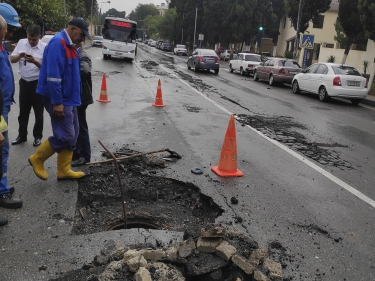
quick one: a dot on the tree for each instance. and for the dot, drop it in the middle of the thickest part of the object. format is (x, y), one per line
(310, 12)
(141, 12)
(348, 25)
(152, 26)
(166, 25)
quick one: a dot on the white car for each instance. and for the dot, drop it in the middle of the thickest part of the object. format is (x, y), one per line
(180, 49)
(245, 63)
(153, 44)
(97, 40)
(331, 80)
(225, 55)
(47, 38)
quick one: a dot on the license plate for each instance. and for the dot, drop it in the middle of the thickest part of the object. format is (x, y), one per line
(353, 83)
(210, 60)
(292, 72)
(118, 53)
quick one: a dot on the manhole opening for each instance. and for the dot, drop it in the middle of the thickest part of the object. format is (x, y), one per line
(151, 201)
(133, 224)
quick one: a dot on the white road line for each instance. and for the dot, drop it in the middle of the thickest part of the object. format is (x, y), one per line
(180, 66)
(312, 165)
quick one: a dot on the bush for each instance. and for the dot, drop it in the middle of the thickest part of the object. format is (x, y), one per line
(288, 55)
(331, 58)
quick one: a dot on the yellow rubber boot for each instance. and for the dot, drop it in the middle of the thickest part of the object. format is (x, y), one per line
(64, 159)
(37, 160)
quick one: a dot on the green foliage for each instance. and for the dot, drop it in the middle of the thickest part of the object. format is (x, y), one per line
(310, 11)
(166, 25)
(288, 55)
(141, 12)
(331, 58)
(47, 13)
(366, 65)
(151, 24)
(366, 10)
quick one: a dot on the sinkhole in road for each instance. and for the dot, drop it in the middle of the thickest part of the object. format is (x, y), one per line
(151, 201)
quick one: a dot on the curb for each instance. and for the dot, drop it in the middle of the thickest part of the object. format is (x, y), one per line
(370, 102)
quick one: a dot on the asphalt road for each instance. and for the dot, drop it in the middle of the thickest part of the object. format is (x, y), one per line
(321, 215)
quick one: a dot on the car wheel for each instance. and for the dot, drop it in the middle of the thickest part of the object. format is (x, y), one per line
(242, 72)
(230, 68)
(295, 87)
(355, 102)
(271, 82)
(188, 65)
(323, 95)
(255, 76)
(216, 71)
(105, 57)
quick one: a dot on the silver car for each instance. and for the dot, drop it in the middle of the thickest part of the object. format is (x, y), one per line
(97, 41)
(204, 59)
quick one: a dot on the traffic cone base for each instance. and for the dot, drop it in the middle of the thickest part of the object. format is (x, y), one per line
(221, 173)
(159, 98)
(228, 158)
(103, 93)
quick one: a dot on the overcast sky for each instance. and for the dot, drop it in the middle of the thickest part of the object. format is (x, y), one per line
(126, 5)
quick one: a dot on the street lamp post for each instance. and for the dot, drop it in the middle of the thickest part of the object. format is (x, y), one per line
(109, 2)
(296, 41)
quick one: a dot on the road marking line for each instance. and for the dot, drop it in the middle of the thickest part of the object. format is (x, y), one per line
(312, 165)
(180, 66)
(372, 108)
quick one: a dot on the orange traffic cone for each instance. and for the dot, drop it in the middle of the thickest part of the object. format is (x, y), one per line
(228, 157)
(103, 93)
(159, 98)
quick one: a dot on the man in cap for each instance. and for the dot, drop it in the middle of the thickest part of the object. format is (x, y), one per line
(8, 21)
(60, 86)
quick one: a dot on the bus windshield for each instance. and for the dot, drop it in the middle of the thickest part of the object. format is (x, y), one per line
(120, 31)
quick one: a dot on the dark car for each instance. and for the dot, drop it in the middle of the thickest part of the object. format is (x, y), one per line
(166, 47)
(277, 70)
(219, 50)
(204, 59)
(158, 44)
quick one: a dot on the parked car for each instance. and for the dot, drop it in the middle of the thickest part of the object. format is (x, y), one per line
(204, 59)
(158, 44)
(46, 38)
(219, 50)
(277, 70)
(245, 63)
(331, 80)
(165, 47)
(153, 43)
(180, 49)
(225, 55)
(97, 41)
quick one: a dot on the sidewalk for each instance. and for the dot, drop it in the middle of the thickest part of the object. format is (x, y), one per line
(369, 100)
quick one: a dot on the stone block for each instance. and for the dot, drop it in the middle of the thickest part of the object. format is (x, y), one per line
(275, 269)
(135, 263)
(142, 275)
(260, 276)
(186, 249)
(132, 254)
(172, 253)
(225, 250)
(258, 255)
(215, 232)
(111, 271)
(244, 264)
(208, 245)
(156, 255)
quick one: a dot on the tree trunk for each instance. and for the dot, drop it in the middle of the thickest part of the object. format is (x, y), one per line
(369, 84)
(347, 49)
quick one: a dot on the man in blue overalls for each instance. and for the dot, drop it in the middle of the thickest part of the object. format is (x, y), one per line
(60, 86)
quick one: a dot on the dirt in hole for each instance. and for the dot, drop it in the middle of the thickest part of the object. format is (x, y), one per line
(148, 197)
(283, 129)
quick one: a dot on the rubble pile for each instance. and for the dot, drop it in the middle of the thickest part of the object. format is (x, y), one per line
(217, 254)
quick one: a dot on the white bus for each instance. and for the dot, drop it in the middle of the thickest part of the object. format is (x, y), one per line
(119, 38)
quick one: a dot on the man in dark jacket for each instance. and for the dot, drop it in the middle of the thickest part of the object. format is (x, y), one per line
(60, 86)
(82, 154)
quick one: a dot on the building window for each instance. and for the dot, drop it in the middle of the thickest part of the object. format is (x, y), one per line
(319, 23)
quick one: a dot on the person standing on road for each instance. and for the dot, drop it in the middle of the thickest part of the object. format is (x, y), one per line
(29, 53)
(8, 21)
(3, 221)
(82, 154)
(60, 86)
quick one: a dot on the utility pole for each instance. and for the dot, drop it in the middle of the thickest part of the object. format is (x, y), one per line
(92, 24)
(195, 28)
(298, 28)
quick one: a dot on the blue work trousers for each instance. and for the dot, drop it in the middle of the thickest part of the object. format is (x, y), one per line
(65, 129)
(4, 187)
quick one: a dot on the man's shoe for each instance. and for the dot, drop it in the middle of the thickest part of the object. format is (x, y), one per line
(3, 221)
(6, 201)
(79, 162)
(37, 142)
(11, 189)
(19, 140)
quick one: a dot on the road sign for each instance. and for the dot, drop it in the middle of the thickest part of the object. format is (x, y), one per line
(200, 37)
(307, 41)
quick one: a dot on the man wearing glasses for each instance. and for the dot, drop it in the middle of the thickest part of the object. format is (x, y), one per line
(59, 85)
(29, 53)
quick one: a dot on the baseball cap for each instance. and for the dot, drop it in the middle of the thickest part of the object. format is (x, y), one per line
(79, 22)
